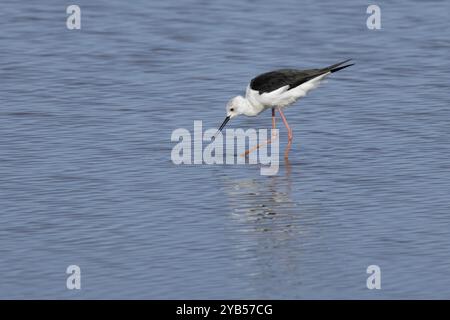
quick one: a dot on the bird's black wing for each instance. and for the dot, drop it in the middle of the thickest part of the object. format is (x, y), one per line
(273, 80)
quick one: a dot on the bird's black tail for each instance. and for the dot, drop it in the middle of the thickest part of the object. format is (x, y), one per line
(338, 66)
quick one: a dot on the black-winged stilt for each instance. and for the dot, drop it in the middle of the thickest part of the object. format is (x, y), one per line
(276, 90)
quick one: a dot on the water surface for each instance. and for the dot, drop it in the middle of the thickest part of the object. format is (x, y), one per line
(86, 176)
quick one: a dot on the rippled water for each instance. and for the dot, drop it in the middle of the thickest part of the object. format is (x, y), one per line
(86, 176)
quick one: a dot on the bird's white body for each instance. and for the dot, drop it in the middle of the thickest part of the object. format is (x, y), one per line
(254, 103)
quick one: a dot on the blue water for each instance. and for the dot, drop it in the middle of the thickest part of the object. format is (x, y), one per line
(86, 176)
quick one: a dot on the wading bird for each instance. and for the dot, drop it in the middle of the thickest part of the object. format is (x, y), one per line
(277, 90)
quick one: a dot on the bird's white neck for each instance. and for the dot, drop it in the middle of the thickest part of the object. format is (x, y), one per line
(249, 109)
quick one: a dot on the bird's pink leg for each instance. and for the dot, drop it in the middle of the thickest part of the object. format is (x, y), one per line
(273, 118)
(247, 152)
(286, 152)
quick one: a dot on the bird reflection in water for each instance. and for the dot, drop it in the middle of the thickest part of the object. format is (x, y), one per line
(264, 201)
(267, 230)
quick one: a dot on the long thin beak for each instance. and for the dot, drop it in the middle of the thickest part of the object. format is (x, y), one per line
(222, 125)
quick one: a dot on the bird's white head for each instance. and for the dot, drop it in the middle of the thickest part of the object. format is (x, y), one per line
(235, 107)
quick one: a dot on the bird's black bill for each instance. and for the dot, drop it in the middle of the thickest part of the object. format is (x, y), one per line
(223, 124)
(221, 127)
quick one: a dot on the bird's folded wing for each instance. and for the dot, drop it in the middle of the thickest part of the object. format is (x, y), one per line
(271, 81)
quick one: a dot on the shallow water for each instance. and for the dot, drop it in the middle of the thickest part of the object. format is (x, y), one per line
(86, 176)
